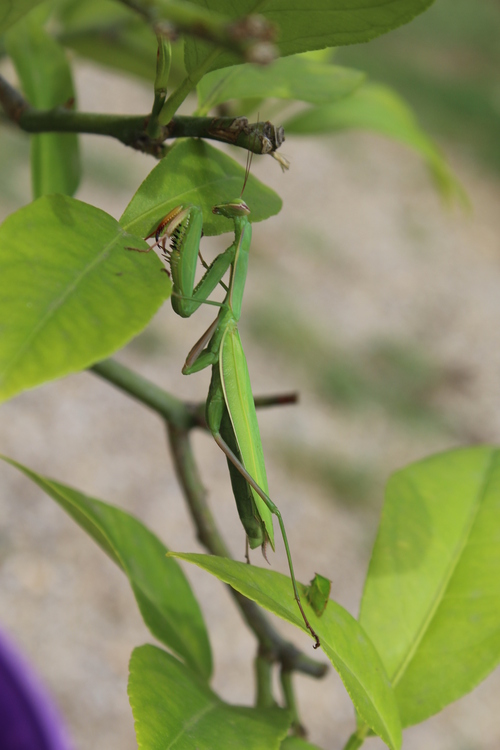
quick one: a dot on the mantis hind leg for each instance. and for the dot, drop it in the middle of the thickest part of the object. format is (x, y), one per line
(231, 456)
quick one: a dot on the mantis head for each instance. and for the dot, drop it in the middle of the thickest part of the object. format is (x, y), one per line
(232, 210)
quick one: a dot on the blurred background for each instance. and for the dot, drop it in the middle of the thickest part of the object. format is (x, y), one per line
(368, 295)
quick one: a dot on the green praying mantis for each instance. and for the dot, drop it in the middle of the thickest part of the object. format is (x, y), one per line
(230, 407)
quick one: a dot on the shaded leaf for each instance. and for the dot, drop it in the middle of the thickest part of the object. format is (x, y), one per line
(12, 10)
(46, 80)
(110, 34)
(71, 292)
(295, 77)
(131, 49)
(342, 639)
(309, 26)
(431, 602)
(378, 108)
(172, 707)
(164, 596)
(195, 172)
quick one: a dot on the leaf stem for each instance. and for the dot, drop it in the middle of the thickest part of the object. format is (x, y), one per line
(169, 407)
(357, 738)
(263, 681)
(290, 703)
(132, 130)
(176, 98)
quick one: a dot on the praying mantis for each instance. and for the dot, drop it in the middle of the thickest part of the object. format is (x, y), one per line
(230, 408)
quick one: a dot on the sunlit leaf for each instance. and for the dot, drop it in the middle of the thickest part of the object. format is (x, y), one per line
(309, 26)
(431, 602)
(72, 293)
(342, 639)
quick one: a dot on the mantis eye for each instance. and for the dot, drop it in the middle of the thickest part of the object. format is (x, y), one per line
(233, 209)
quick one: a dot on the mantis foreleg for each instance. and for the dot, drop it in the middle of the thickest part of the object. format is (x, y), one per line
(183, 227)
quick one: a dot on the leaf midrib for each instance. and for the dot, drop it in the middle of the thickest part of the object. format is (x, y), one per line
(193, 721)
(454, 560)
(55, 306)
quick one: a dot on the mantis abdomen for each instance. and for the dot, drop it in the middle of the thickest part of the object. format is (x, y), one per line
(241, 407)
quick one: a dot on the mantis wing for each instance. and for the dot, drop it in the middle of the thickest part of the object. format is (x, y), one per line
(248, 513)
(241, 407)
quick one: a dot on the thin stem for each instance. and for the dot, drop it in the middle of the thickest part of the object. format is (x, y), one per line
(276, 399)
(263, 681)
(357, 738)
(290, 703)
(163, 63)
(194, 491)
(176, 98)
(257, 137)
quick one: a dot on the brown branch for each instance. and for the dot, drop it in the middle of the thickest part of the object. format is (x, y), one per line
(131, 130)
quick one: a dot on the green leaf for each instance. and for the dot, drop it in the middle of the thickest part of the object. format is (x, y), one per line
(295, 77)
(309, 26)
(163, 594)
(431, 602)
(71, 291)
(12, 10)
(342, 639)
(195, 172)
(378, 108)
(318, 593)
(172, 707)
(45, 76)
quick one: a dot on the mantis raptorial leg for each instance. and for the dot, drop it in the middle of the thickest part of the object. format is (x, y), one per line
(230, 408)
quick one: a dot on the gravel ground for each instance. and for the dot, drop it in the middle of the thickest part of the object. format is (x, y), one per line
(363, 249)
